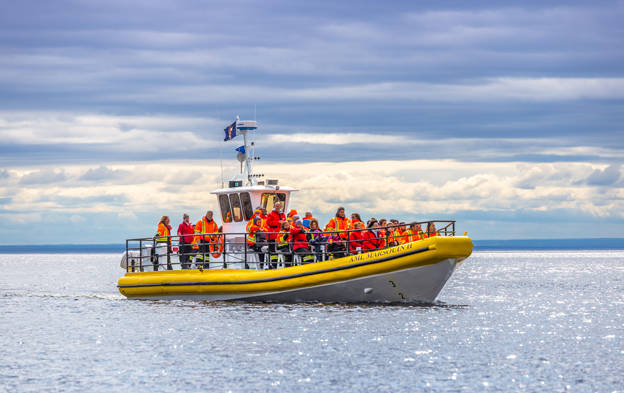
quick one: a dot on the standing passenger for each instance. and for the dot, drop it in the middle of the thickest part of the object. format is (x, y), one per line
(163, 242)
(339, 223)
(274, 224)
(201, 242)
(307, 220)
(185, 231)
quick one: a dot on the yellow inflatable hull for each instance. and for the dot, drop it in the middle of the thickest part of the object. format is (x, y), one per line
(412, 272)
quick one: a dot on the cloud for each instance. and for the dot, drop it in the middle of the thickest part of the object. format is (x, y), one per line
(43, 176)
(4, 174)
(103, 173)
(605, 177)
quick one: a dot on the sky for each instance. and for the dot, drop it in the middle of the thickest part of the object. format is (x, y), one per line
(506, 117)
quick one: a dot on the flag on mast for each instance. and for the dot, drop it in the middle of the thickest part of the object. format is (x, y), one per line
(230, 131)
(241, 149)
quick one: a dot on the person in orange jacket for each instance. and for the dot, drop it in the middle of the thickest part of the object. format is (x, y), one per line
(339, 223)
(307, 220)
(415, 232)
(402, 234)
(201, 242)
(431, 230)
(257, 213)
(163, 242)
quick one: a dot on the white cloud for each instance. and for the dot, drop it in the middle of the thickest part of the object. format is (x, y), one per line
(149, 133)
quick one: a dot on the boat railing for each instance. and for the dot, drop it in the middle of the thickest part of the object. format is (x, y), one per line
(258, 251)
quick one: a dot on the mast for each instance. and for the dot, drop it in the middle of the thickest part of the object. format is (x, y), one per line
(244, 126)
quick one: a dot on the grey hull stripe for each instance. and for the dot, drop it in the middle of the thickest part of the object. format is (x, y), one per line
(270, 279)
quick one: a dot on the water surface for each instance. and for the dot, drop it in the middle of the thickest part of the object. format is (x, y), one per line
(506, 321)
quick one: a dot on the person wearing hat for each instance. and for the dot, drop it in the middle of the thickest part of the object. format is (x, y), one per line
(185, 247)
(300, 242)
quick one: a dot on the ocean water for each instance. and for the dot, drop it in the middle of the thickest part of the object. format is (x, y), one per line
(506, 321)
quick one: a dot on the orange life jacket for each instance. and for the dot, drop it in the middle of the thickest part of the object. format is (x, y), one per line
(338, 224)
(203, 226)
(251, 238)
(163, 233)
(402, 237)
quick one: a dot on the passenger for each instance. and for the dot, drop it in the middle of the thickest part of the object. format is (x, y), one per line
(316, 239)
(431, 230)
(185, 244)
(373, 237)
(300, 243)
(392, 235)
(282, 243)
(356, 238)
(402, 234)
(415, 232)
(163, 242)
(355, 217)
(335, 246)
(382, 226)
(255, 238)
(292, 213)
(201, 242)
(307, 220)
(256, 213)
(273, 225)
(339, 223)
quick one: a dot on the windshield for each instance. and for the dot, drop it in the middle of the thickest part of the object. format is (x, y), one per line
(269, 199)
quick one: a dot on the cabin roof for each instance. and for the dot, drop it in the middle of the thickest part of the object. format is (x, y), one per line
(265, 188)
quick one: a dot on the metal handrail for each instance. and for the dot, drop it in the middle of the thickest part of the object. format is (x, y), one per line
(219, 238)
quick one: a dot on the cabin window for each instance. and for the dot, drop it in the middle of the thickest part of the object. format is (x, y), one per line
(246, 202)
(269, 200)
(236, 207)
(226, 213)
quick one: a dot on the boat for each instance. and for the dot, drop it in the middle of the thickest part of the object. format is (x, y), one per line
(413, 271)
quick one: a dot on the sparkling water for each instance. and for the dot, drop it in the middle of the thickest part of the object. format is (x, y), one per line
(506, 321)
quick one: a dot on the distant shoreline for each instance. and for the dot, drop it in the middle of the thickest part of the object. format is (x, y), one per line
(480, 245)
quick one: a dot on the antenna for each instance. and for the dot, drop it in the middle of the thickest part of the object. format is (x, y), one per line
(220, 155)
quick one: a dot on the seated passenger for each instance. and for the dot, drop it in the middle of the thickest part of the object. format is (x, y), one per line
(382, 225)
(373, 237)
(402, 234)
(415, 232)
(355, 217)
(300, 243)
(282, 243)
(392, 234)
(316, 239)
(256, 238)
(355, 238)
(335, 246)
(431, 230)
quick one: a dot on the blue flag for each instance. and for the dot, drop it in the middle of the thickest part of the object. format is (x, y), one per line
(241, 149)
(230, 131)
